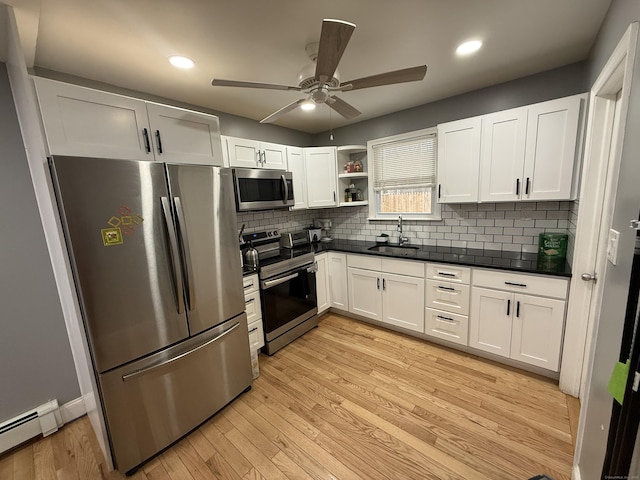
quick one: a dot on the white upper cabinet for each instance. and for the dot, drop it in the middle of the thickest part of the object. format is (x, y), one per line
(184, 136)
(295, 164)
(253, 154)
(80, 121)
(459, 160)
(84, 122)
(530, 153)
(320, 168)
(502, 155)
(550, 156)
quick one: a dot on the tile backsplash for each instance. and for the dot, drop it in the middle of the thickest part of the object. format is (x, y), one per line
(492, 226)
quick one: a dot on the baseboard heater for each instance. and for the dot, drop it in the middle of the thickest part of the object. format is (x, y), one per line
(45, 420)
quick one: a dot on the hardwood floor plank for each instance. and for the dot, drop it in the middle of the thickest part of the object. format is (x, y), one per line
(23, 466)
(573, 408)
(351, 401)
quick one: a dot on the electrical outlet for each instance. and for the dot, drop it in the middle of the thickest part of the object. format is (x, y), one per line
(612, 246)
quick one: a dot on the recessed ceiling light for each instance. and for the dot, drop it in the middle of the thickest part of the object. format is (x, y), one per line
(181, 62)
(308, 105)
(467, 48)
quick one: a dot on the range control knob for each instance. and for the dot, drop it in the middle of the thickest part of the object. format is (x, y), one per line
(269, 234)
(275, 233)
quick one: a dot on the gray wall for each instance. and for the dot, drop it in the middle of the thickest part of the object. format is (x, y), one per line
(35, 356)
(560, 82)
(608, 336)
(232, 125)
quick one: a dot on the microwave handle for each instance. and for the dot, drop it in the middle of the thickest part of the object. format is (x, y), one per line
(286, 189)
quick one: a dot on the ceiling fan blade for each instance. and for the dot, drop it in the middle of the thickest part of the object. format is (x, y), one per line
(286, 109)
(412, 74)
(342, 107)
(334, 38)
(219, 82)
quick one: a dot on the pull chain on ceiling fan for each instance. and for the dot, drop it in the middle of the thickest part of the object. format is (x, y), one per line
(320, 85)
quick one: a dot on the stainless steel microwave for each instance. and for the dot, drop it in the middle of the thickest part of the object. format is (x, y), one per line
(262, 189)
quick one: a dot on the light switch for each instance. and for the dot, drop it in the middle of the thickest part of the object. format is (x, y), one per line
(612, 246)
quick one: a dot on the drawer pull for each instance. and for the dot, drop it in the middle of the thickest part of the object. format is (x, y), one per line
(447, 274)
(515, 284)
(255, 329)
(249, 301)
(446, 319)
(449, 289)
(248, 286)
(508, 308)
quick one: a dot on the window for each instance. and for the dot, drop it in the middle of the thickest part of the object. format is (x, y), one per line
(404, 176)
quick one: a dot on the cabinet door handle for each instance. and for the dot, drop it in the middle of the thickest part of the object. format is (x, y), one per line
(147, 143)
(449, 289)
(518, 309)
(378, 283)
(258, 158)
(264, 158)
(526, 189)
(159, 140)
(508, 307)
(334, 196)
(515, 284)
(439, 190)
(447, 274)
(384, 283)
(517, 186)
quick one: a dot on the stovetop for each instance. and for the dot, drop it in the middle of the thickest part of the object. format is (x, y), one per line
(284, 260)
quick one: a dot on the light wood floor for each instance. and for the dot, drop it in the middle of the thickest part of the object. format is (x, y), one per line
(351, 401)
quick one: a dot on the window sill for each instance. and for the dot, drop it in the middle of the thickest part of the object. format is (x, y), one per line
(435, 218)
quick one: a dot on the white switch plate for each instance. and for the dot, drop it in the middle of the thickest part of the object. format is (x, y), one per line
(612, 246)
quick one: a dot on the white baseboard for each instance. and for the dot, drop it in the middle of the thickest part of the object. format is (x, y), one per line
(575, 474)
(73, 409)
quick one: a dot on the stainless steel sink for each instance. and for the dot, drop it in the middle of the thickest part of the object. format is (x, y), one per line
(402, 251)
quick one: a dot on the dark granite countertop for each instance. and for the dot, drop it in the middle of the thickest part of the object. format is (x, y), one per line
(503, 260)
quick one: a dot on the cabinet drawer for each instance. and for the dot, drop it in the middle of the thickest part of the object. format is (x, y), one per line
(519, 283)
(449, 273)
(367, 262)
(447, 326)
(448, 296)
(252, 306)
(256, 335)
(250, 283)
(410, 268)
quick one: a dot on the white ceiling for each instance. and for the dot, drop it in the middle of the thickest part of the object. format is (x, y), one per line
(126, 43)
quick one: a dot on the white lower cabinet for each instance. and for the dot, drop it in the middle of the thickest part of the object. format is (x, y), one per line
(253, 309)
(338, 286)
(517, 321)
(386, 290)
(447, 302)
(322, 282)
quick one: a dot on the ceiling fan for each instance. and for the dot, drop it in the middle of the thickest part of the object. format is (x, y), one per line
(320, 78)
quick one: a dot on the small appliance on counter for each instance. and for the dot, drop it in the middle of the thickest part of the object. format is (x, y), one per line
(315, 234)
(293, 240)
(325, 225)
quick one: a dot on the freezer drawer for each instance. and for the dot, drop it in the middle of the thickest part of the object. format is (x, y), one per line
(153, 402)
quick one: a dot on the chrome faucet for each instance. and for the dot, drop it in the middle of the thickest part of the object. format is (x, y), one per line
(401, 238)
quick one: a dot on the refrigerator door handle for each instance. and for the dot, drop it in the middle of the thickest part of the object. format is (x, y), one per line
(128, 376)
(182, 230)
(173, 242)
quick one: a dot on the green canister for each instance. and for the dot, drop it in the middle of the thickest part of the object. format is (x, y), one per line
(552, 251)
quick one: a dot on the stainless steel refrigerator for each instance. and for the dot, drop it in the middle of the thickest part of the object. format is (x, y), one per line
(154, 253)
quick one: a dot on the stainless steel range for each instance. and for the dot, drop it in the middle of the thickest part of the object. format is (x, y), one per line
(287, 286)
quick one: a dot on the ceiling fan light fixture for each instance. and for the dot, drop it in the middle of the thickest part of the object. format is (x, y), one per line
(308, 105)
(467, 48)
(181, 62)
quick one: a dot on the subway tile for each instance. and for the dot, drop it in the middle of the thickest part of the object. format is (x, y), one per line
(468, 237)
(486, 222)
(513, 231)
(504, 223)
(546, 224)
(486, 207)
(524, 239)
(493, 246)
(477, 214)
(484, 238)
(494, 230)
(530, 248)
(459, 229)
(503, 238)
(524, 223)
(459, 244)
(511, 247)
(475, 245)
(558, 215)
(451, 236)
(548, 206)
(505, 206)
(498, 214)
(443, 243)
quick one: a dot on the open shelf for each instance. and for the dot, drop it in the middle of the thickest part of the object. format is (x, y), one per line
(354, 175)
(354, 204)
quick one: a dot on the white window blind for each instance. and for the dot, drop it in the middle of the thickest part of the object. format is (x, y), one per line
(406, 163)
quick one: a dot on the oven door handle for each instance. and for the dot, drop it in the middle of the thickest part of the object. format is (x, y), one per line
(272, 283)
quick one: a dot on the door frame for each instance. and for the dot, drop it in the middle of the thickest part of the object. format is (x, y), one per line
(600, 170)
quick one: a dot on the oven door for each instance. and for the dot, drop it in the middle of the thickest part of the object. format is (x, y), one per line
(261, 189)
(288, 300)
